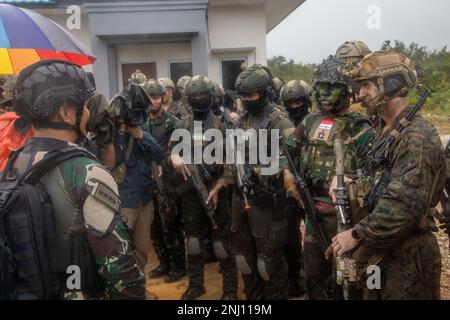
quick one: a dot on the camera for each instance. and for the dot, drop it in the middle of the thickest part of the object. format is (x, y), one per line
(132, 104)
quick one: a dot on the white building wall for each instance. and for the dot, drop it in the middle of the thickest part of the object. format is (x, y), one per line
(160, 53)
(232, 27)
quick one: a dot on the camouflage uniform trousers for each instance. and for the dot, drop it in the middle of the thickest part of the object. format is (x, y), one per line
(318, 270)
(259, 239)
(293, 250)
(412, 272)
(196, 227)
(167, 235)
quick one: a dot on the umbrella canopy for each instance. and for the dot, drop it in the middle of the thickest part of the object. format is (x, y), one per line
(27, 37)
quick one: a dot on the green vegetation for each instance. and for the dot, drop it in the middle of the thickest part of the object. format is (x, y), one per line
(436, 66)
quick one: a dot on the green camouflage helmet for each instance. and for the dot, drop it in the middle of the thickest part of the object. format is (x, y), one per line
(295, 89)
(330, 71)
(278, 83)
(197, 85)
(254, 79)
(154, 88)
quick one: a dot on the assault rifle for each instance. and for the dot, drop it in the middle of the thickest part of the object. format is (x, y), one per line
(202, 192)
(305, 195)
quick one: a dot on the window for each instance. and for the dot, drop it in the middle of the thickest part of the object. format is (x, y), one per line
(147, 68)
(230, 69)
(179, 69)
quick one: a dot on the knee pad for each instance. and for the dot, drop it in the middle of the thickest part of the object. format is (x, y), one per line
(219, 250)
(262, 269)
(193, 246)
(242, 265)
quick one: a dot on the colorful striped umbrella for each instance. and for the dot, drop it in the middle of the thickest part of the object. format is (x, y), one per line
(27, 37)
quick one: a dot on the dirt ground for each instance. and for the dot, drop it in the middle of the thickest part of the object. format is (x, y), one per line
(213, 279)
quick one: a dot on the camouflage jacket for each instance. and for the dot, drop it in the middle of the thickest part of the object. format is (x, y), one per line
(415, 162)
(314, 139)
(78, 208)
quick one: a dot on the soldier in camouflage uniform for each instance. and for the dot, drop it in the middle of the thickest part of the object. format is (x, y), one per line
(100, 128)
(352, 52)
(199, 91)
(182, 106)
(59, 120)
(295, 96)
(166, 231)
(408, 181)
(278, 83)
(259, 234)
(315, 144)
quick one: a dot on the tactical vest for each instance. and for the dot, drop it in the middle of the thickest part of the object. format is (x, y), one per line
(263, 185)
(319, 160)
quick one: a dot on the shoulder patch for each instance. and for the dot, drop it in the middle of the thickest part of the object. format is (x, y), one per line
(103, 200)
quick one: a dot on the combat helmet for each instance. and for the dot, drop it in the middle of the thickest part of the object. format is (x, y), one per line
(181, 83)
(45, 86)
(255, 79)
(352, 49)
(154, 88)
(138, 78)
(329, 72)
(392, 71)
(199, 90)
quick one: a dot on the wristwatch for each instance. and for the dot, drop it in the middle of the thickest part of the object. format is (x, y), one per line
(356, 236)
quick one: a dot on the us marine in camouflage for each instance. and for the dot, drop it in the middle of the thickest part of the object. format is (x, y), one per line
(259, 228)
(315, 138)
(52, 94)
(166, 230)
(409, 178)
(199, 90)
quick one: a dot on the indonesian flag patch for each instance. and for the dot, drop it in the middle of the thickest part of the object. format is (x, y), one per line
(323, 130)
(326, 124)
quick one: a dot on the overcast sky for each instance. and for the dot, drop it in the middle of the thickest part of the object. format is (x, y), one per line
(317, 27)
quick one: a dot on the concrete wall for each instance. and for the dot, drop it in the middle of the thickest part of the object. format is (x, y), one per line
(234, 27)
(160, 53)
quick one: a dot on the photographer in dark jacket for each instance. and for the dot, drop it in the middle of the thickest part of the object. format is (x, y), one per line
(135, 150)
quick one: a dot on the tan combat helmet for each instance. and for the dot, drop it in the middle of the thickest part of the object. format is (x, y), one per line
(138, 78)
(181, 83)
(392, 71)
(352, 49)
(168, 84)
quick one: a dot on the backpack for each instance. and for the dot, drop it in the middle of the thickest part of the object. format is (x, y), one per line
(33, 263)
